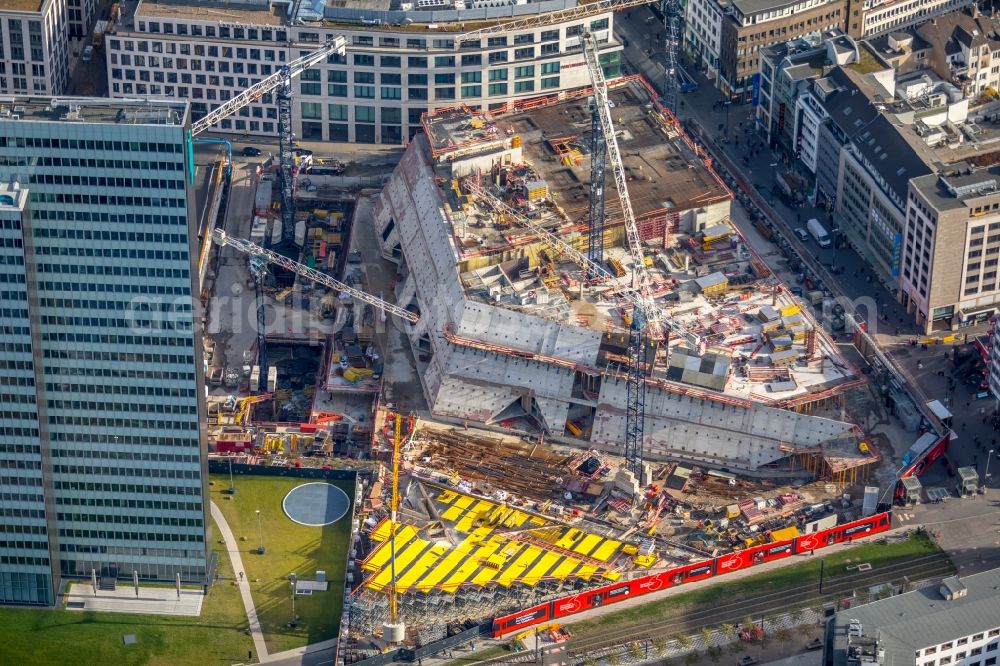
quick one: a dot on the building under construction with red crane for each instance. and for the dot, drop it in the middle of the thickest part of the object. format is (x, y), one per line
(514, 333)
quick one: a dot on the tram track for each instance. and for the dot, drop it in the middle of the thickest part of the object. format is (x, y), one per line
(922, 568)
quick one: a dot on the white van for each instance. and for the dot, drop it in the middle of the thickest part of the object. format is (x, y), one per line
(88, 53)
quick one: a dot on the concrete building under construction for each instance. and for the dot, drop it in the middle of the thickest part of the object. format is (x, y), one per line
(513, 334)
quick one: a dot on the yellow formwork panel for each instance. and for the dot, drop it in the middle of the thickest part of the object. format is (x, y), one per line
(382, 555)
(447, 497)
(403, 559)
(443, 567)
(587, 571)
(381, 533)
(516, 519)
(611, 575)
(538, 571)
(464, 501)
(468, 520)
(461, 575)
(535, 520)
(588, 544)
(606, 550)
(480, 534)
(567, 539)
(452, 513)
(565, 568)
(515, 570)
(418, 570)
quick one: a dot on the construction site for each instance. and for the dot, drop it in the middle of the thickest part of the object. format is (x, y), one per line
(614, 386)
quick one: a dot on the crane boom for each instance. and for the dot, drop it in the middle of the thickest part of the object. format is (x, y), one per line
(614, 156)
(222, 238)
(581, 10)
(270, 84)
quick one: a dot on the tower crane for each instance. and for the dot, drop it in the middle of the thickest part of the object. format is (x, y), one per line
(393, 625)
(282, 82)
(268, 256)
(671, 66)
(646, 316)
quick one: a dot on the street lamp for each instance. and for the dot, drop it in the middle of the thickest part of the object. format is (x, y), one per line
(293, 622)
(232, 486)
(260, 530)
(986, 477)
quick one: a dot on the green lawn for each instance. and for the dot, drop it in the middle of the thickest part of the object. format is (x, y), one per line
(289, 548)
(878, 554)
(44, 636)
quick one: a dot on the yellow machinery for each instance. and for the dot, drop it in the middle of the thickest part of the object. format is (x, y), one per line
(243, 410)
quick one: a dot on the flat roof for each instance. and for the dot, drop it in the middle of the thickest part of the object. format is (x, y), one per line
(903, 624)
(750, 7)
(265, 15)
(94, 110)
(22, 5)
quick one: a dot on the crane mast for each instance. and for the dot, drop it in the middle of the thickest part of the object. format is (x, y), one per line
(222, 238)
(671, 66)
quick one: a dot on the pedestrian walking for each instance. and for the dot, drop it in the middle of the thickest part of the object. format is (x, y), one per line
(241, 576)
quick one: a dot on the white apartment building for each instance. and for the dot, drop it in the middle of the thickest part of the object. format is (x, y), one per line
(80, 17)
(33, 47)
(703, 34)
(398, 65)
(881, 16)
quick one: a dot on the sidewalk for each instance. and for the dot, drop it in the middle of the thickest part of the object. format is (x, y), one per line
(232, 545)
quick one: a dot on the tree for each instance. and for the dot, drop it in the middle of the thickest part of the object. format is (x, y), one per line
(613, 659)
(683, 640)
(783, 635)
(589, 661)
(728, 630)
(748, 622)
(660, 644)
(635, 650)
(706, 635)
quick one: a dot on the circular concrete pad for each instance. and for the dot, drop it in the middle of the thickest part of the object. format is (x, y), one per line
(316, 504)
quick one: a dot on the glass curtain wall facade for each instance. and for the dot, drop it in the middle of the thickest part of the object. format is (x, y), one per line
(108, 244)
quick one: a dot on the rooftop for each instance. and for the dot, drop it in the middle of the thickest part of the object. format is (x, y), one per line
(903, 624)
(12, 195)
(751, 7)
(94, 110)
(22, 5)
(869, 61)
(264, 14)
(955, 189)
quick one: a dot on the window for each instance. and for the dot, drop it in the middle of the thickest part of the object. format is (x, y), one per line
(524, 54)
(364, 114)
(944, 660)
(364, 60)
(498, 56)
(550, 82)
(390, 61)
(497, 89)
(963, 641)
(393, 79)
(364, 77)
(416, 93)
(979, 637)
(549, 35)
(550, 49)
(472, 77)
(524, 86)
(364, 92)
(990, 662)
(599, 24)
(417, 61)
(336, 77)
(417, 79)
(472, 59)
(494, 42)
(312, 110)
(447, 92)
(444, 61)
(337, 111)
(472, 91)
(930, 650)
(391, 92)
(550, 68)
(498, 75)
(392, 115)
(311, 88)
(524, 72)
(336, 89)
(444, 78)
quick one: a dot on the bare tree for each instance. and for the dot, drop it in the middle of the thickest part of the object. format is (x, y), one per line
(783, 635)
(683, 640)
(728, 630)
(706, 634)
(660, 644)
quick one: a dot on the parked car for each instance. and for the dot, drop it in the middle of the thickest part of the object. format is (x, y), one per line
(802, 234)
(747, 661)
(88, 53)
(250, 151)
(814, 644)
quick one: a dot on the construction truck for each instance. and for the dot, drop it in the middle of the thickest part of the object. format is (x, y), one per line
(97, 38)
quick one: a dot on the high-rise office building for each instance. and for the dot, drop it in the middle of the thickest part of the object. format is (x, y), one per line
(101, 453)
